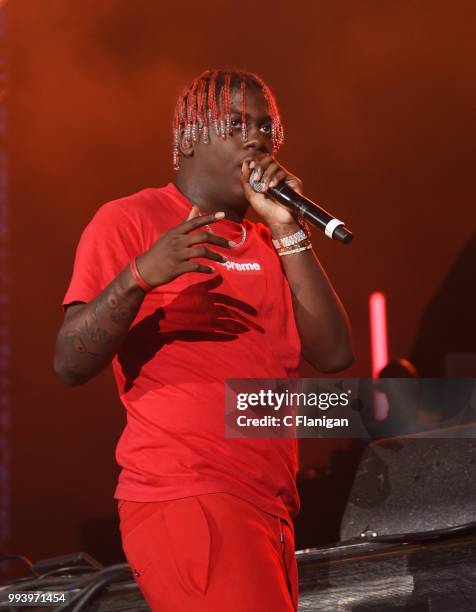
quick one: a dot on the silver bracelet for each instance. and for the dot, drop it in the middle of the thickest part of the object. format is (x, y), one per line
(287, 241)
(298, 250)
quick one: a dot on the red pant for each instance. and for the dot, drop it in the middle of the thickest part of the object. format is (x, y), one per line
(210, 553)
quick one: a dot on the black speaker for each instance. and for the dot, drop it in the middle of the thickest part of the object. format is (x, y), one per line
(414, 484)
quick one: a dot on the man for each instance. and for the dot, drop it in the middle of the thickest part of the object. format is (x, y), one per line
(180, 292)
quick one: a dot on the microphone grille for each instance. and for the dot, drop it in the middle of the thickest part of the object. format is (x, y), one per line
(256, 185)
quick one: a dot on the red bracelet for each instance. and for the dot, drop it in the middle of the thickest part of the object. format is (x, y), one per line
(137, 277)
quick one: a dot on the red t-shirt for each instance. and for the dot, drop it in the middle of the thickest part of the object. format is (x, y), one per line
(188, 336)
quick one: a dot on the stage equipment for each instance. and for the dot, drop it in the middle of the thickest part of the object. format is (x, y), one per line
(439, 576)
(414, 484)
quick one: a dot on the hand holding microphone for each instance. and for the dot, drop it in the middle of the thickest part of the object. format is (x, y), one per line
(304, 207)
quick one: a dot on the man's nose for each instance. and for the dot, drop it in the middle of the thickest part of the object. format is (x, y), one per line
(255, 139)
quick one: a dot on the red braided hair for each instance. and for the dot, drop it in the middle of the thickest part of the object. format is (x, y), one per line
(206, 104)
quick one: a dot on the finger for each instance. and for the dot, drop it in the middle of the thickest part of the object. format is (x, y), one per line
(279, 176)
(245, 171)
(192, 224)
(294, 183)
(196, 266)
(269, 173)
(245, 177)
(260, 166)
(198, 237)
(203, 251)
(194, 212)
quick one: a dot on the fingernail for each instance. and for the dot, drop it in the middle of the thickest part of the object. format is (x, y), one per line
(256, 175)
(252, 165)
(219, 215)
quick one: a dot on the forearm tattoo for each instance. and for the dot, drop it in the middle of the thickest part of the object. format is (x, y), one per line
(95, 334)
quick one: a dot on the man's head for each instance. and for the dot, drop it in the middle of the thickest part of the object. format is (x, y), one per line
(221, 119)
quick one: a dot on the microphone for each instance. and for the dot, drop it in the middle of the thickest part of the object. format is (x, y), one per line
(306, 209)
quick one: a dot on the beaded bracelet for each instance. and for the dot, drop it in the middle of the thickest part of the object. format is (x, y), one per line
(137, 276)
(302, 243)
(284, 252)
(290, 240)
(297, 245)
(297, 242)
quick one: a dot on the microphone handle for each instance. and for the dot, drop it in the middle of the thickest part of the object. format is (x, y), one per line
(306, 209)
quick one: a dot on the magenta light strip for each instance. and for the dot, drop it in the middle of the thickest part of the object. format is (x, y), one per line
(378, 332)
(379, 348)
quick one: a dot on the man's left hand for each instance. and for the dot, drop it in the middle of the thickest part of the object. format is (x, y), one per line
(269, 171)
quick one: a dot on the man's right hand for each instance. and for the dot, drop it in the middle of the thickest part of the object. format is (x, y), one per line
(93, 332)
(170, 255)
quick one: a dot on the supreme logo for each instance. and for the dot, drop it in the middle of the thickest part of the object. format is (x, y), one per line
(252, 266)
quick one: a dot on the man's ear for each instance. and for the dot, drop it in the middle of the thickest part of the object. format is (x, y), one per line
(186, 145)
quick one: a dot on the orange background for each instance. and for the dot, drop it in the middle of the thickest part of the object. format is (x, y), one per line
(378, 101)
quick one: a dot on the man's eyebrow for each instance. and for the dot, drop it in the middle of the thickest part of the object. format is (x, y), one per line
(248, 116)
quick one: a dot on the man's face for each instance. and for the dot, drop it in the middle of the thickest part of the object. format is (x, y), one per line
(219, 163)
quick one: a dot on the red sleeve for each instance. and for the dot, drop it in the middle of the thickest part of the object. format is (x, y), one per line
(107, 245)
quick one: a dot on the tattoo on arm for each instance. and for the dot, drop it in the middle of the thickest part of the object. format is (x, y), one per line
(93, 334)
(94, 337)
(120, 309)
